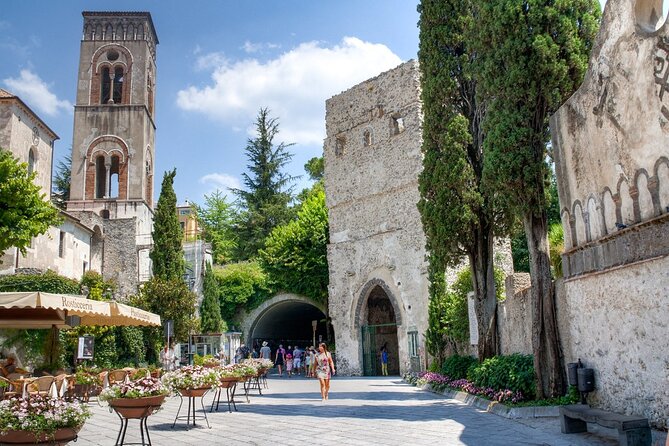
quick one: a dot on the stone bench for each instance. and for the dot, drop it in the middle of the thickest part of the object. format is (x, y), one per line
(632, 430)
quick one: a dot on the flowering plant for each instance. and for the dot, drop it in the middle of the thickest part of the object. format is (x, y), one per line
(41, 415)
(191, 377)
(259, 363)
(88, 377)
(236, 371)
(134, 389)
(441, 382)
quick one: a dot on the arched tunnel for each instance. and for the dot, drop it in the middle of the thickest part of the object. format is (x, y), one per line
(290, 322)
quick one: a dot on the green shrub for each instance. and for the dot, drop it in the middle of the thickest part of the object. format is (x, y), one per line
(433, 367)
(456, 366)
(200, 360)
(514, 372)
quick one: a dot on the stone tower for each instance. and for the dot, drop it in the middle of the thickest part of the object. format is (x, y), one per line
(113, 140)
(378, 292)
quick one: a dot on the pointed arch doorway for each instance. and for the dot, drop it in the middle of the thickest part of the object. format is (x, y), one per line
(379, 328)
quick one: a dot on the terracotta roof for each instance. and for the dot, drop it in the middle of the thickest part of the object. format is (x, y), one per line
(6, 94)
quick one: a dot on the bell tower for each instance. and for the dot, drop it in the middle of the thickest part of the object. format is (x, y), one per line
(113, 145)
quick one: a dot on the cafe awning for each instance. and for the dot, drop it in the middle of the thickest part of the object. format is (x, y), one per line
(121, 314)
(45, 310)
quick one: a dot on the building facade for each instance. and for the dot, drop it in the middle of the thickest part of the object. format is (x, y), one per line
(113, 147)
(378, 292)
(612, 164)
(65, 249)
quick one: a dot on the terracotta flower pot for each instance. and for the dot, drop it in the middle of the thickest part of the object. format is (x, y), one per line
(194, 392)
(61, 437)
(137, 407)
(229, 382)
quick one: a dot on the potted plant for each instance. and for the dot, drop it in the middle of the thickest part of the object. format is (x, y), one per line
(86, 383)
(260, 365)
(191, 380)
(40, 420)
(135, 399)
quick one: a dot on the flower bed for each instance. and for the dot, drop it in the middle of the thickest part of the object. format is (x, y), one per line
(191, 377)
(441, 382)
(41, 415)
(140, 388)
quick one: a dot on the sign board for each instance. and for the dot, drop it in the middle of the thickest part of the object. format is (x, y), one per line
(473, 323)
(85, 347)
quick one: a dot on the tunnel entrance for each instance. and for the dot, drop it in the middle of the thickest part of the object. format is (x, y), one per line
(290, 323)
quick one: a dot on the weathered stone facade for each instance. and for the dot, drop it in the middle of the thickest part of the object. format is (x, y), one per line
(612, 163)
(64, 249)
(372, 161)
(113, 141)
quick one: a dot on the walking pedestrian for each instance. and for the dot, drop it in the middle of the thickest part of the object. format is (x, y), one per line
(279, 358)
(384, 360)
(297, 360)
(324, 369)
(265, 351)
(289, 364)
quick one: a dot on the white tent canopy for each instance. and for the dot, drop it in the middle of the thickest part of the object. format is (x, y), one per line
(46, 310)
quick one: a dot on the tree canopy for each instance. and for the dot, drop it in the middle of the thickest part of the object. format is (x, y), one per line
(216, 218)
(167, 255)
(210, 309)
(295, 254)
(24, 212)
(457, 214)
(62, 178)
(267, 188)
(533, 55)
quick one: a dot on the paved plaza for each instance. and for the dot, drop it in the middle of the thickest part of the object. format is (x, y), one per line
(361, 411)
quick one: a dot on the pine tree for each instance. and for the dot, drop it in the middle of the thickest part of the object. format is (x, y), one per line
(533, 56)
(61, 183)
(210, 310)
(167, 254)
(267, 193)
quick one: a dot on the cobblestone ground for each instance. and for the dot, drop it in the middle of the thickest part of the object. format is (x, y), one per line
(361, 411)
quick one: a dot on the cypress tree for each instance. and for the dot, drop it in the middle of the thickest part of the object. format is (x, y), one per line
(457, 215)
(210, 310)
(167, 254)
(533, 56)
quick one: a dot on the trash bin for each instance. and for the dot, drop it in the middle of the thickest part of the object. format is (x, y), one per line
(586, 380)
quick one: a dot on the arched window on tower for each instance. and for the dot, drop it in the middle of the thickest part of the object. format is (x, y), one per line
(118, 85)
(105, 86)
(100, 177)
(109, 33)
(31, 161)
(114, 177)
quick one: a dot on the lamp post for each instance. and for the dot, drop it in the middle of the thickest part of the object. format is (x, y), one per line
(314, 324)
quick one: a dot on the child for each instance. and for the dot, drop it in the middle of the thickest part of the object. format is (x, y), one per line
(289, 364)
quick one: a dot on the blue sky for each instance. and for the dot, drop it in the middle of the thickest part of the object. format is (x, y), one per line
(218, 63)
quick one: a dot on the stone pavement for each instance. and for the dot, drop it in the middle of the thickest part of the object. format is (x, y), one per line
(361, 411)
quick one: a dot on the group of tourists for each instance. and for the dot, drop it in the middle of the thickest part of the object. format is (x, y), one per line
(293, 360)
(309, 362)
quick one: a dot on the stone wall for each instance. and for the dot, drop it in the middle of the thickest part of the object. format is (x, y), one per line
(514, 315)
(121, 255)
(372, 162)
(610, 142)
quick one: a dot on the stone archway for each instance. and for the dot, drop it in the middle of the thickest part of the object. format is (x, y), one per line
(378, 317)
(285, 318)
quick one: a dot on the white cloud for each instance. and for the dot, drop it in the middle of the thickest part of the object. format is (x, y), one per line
(221, 181)
(210, 61)
(35, 92)
(251, 47)
(294, 86)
